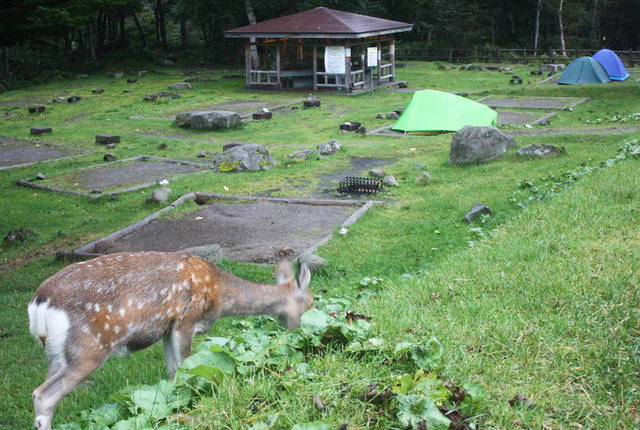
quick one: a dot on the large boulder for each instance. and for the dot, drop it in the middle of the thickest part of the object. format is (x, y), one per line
(330, 147)
(474, 144)
(239, 157)
(208, 119)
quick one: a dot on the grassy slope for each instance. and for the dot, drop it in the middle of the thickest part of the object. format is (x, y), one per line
(420, 228)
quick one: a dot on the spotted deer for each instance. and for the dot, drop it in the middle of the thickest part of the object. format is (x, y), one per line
(121, 303)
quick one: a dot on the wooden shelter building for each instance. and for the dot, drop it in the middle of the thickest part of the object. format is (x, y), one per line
(320, 48)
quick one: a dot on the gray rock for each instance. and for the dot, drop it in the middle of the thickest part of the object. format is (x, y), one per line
(40, 176)
(212, 254)
(476, 210)
(160, 195)
(104, 139)
(540, 151)
(376, 173)
(239, 157)
(311, 102)
(98, 91)
(301, 154)
(181, 86)
(111, 146)
(142, 73)
(262, 114)
(330, 147)
(350, 126)
(314, 262)
(127, 91)
(390, 181)
(392, 115)
(544, 122)
(380, 116)
(474, 144)
(37, 109)
(403, 84)
(150, 98)
(162, 146)
(462, 94)
(201, 154)
(208, 120)
(419, 166)
(74, 99)
(424, 178)
(132, 80)
(108, 157)
(20, 235)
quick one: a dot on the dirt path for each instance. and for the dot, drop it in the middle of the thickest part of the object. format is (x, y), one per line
(570, 130)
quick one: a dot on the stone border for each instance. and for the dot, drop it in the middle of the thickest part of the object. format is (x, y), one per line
(246, 116)
(84, 151)
(31, 184)
(87, 251)
(576, 101)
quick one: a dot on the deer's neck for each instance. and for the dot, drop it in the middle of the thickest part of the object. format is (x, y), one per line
(240, 297)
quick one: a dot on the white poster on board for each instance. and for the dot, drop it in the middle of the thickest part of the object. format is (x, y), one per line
(334, 59)
(372, 56)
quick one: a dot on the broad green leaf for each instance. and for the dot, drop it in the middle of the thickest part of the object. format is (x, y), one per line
(314, 322)
(139, 422)
(152, 400)
(403, 348)
(413, 409)
(429, 355)
(474, 399)
(106, 414)
(432, 387)
(218, 359)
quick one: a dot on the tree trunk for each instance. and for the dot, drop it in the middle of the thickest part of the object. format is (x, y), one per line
(135, 19)
(162, 30)
(563, 44)
(7, 60)
(595, 34)
(253, 50)
(123, 32)
(184, 35)
(91, 36)
(536, 33)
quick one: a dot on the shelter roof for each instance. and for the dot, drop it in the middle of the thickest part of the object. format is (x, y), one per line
(321, 22)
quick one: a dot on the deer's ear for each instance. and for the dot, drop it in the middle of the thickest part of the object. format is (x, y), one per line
(304, 277)
(284, 272)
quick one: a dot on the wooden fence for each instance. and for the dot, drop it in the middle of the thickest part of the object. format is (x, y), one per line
(491, 55)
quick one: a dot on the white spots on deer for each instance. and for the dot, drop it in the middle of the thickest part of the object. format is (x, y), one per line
(122, 312)
(96, 307)
(163, 291)
(88, 306)
(85, 329)
(179, 267)
(207, 278)
(116, 329)
(109, 308)
(194, 278)
(140, 305)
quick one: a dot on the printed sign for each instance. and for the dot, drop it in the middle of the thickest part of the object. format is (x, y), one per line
(372, 56)
(334, 59)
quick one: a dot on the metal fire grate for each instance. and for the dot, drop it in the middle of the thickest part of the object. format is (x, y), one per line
(357, 185)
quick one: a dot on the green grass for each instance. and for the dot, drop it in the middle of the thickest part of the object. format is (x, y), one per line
(544, 304)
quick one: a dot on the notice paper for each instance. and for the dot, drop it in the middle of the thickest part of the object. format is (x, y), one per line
(334, 59)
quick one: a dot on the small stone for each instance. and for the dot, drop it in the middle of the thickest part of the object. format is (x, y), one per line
(376, 173)
(362, 130)
(98, 91)
(114, 196)
(314, 262)
(515, 79)
(424, 178)
(150, 98)
(111, 146)
(104, 139)
(108, 157)
(160, 195)
(201, 154)
(127, 91)
(162, 146)
(301, 154)
(118, 75)
(380, 116)
(132, 80)
(36, 109)
(419, 166)
(40, 176)
(330, 147)
(311, 102)
(399, 111)
(212, 254)
(181, 86)
(476, 210)
(544, 122)
(540, 151)
(392, 115)
(262, 114)
(74, 99)
(403, 84)
(142, 73)
(350, 126)
(390, 181)
(462, 94)
(40, 130)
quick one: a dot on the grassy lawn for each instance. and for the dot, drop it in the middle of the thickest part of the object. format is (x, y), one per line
(541, 303)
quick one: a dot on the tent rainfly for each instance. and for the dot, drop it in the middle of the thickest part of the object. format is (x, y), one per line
(435, 111)
(584, 70)
(612, 64)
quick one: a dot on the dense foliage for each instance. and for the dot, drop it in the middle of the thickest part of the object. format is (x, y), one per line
(59, 34)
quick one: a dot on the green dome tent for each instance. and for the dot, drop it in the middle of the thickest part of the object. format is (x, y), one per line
(584, 70)
(431, 110)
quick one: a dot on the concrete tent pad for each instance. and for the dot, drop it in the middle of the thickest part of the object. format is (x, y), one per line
(248, 229)
(117, 177)
(532, 102)
(245, 106)
(520, 118)
(20, 152)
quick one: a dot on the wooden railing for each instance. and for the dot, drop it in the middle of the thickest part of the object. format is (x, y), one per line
(263, 77)
(357, 78)
(496, 55)
(385, 71)
(324, 80)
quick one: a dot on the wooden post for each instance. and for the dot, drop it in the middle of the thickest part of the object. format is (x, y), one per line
(347, 68)
(247, 63)
(392, 57)
(278, 65)
(315, 68)
(363, 58)
(379, 61)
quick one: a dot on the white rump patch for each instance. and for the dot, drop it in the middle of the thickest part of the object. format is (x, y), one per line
(51, 324)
